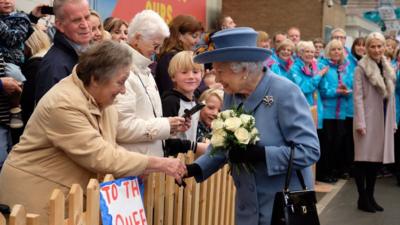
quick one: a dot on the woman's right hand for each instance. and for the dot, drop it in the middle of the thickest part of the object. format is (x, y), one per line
(177, 124)
(323, 71)
(362, 131)
(170, 166)
(173, 167)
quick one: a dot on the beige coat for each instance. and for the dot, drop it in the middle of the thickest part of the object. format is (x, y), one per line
(67, 140)
(370, 89)
(139, 130)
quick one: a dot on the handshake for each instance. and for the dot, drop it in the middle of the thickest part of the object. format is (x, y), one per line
(253, 154)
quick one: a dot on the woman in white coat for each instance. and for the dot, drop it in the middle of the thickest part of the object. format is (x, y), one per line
(374, 119)
(141, 127)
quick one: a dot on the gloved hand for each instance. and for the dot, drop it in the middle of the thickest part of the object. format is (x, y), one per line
(252, 154)
(192, 170)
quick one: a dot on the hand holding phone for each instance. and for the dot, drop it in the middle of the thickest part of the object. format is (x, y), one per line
(47, 10)
(189, 112)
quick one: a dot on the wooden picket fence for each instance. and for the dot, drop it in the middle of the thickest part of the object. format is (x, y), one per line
(19, 216)
(210, 203)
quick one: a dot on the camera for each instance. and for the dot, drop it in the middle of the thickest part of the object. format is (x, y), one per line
(329, 3)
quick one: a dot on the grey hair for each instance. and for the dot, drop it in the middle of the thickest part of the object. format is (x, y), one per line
(149, 24)
(251, 67)
(58, 6)
(303, 45)
(102, 61)
(338, 29)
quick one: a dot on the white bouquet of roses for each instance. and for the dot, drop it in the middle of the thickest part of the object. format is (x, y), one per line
(233, 130)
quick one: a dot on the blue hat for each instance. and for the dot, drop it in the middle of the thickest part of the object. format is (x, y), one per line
(234, 45)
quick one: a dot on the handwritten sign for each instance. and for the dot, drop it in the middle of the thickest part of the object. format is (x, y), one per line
(121, 202)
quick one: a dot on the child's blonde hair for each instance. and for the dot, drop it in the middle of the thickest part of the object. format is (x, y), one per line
(183, 61)
(212, 92)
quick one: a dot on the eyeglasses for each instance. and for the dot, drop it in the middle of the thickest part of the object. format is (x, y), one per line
(156, 46)
(339, 37)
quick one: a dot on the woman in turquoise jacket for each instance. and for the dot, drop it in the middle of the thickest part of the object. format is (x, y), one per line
(305, 74)
(397, 134)
(357, 52)
(284, 59)
(334, 93)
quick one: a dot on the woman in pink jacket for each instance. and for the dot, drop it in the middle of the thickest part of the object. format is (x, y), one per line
(374, 119)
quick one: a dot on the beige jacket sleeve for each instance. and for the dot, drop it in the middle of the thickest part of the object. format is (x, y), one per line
(132, 128)
(72, 132)
(358, 97)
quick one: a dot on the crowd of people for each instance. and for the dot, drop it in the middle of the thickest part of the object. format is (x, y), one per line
(100, 96)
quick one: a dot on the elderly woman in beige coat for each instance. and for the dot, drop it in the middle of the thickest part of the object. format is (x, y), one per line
(374, 119)
(71, 135)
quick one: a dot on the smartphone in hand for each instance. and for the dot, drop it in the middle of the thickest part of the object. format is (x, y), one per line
(47, 10)
(189, 112)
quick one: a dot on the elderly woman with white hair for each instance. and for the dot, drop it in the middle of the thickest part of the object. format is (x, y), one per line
(141, 126)
(374, 119)
(306, 75)
(281, 115)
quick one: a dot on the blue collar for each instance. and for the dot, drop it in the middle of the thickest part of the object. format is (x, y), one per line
(253, 101)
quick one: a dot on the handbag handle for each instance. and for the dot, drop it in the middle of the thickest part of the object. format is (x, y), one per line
(289, 172)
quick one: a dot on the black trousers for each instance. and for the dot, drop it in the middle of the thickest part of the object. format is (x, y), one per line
(348, 146)
(332, 143)
(396, 166)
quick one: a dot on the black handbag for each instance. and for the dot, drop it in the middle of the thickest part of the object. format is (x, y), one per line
(294, 207)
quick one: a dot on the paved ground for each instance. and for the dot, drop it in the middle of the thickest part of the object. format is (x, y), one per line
(340, 206)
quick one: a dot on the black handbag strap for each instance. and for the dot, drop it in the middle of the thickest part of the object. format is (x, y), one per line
(289, 172)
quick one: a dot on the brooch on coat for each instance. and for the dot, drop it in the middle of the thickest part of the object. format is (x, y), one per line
(268, 100)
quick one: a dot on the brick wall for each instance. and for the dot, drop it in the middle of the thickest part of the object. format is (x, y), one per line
(278, 15)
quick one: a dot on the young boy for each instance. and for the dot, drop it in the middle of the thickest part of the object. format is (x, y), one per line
(186, 77)
(14, 29)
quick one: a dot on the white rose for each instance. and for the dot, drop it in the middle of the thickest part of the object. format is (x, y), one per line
(218, 138)
(227, 114)
(217, 124)
(245, 118)
(243, 136)
(233, 123)
(254, 135)
(254, 132)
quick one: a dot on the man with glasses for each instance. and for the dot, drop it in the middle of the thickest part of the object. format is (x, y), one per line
(340, 34)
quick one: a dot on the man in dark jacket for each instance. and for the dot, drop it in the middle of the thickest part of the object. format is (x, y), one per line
(72, 37)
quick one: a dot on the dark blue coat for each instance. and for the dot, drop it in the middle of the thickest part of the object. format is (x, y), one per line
(56, 64)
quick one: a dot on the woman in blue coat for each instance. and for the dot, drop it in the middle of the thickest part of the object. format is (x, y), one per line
(282, 117)
(284, 59)
(334, 93)
(306, 75)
